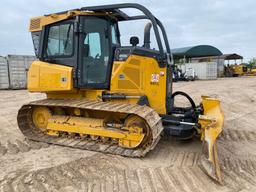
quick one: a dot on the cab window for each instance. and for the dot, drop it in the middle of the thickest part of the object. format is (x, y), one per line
(93, 40)
(60, 41)
(114, 34)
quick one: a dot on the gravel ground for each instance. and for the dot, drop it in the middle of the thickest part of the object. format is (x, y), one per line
(172, 166)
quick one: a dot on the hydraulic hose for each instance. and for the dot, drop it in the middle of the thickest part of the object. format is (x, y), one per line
(185, 95)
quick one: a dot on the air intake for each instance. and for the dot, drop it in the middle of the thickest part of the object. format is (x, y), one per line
(35, 24)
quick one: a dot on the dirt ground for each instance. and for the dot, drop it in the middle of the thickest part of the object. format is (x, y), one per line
(172, 166)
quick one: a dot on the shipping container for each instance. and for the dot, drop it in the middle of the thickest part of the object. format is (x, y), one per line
(28, 60)
(220, 71)
(4, 74)
(18, 67)
(220, 60)
(220, 66)
(203, 70)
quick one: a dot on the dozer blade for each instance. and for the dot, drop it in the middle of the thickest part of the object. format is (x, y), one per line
(211, 125)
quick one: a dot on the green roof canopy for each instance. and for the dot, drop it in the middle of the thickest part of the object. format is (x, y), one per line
(196, 51)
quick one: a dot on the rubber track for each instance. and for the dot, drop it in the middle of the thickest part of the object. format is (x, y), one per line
(147, 113)
(87, 175)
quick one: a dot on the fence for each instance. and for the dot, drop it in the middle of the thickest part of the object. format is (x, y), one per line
(13, 71)
(4, 74)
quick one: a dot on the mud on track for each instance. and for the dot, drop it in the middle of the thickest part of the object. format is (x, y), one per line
(172, 166)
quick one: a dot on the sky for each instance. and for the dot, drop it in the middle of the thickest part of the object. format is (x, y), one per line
(226, 24)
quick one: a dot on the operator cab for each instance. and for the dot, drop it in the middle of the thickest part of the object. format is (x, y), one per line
(91, 43)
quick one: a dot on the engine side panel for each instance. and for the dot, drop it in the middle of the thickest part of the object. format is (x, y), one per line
(45, 77)
(140, 75)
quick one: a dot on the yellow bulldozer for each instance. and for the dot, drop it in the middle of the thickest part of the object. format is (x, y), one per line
(235, 70)
(106, 97)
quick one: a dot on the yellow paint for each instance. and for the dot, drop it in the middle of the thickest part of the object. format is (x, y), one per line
(37, 23)
(253, 70)
(44, 77)
(57, 82)
(211, 125)
(40, 117)
(237, 69)
(134, 77)
(53, 133)
(212, 118)
(129, 137)
(76, 94)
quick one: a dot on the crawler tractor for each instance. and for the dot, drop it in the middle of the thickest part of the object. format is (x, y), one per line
(106, 97)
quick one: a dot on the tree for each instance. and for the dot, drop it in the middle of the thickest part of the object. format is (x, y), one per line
(252, 63)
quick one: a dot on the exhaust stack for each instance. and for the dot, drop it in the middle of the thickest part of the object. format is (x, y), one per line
(147, 35)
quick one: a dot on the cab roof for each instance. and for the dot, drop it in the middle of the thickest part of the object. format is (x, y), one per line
(113, 10)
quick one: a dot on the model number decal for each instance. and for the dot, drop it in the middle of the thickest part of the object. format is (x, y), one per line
(154, 78)
(121, 77)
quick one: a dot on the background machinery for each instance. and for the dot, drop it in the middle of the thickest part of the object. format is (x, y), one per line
(179, 75)
(106, 97)
(235, 70)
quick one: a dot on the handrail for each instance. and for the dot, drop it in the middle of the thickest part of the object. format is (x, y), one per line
(148, 14)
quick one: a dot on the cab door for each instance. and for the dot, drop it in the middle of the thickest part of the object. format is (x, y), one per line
(95, 53)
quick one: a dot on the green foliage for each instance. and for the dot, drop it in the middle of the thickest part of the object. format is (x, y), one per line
(252, 63)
